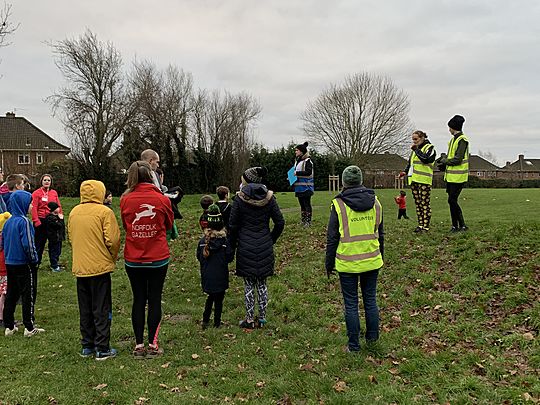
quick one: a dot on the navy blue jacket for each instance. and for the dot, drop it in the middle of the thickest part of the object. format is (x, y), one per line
(214, 268)
(18, 233)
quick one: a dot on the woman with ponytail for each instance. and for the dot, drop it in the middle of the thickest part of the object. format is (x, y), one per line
(214, 253)
(304, 187)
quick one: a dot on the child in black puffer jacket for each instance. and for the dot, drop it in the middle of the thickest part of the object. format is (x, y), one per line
(214, 253)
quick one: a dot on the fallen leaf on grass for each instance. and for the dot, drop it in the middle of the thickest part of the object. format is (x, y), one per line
(306, 367)
(393, 371)
(195, 356)
(163, 386)
(340, 386)
(100, 386)
(260, 384)
(286, 400)
(166, 365)
(52, 401)
(437, 307)
(528, 336)
(372, 379)
(141, 401)
(175, 389)
(527, 397)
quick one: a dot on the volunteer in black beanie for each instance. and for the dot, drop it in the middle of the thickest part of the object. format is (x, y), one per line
(304, 186)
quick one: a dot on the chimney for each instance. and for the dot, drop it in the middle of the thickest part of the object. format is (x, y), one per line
(10, 114)
(507, 164)
(521, 157)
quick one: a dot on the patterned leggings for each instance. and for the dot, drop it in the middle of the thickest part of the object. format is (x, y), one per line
(422, 194)
(250, 285)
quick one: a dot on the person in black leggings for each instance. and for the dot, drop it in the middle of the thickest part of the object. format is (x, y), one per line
(304, 187)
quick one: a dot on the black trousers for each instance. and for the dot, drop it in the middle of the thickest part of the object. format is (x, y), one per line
(95, 311)
(40, 239)
(147, 286)
(402, 212)
(454, 190)
(20, 285)
(305, 202)
(215, 299)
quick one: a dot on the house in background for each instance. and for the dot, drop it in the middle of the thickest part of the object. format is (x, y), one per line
(24, 148)
(522, 169)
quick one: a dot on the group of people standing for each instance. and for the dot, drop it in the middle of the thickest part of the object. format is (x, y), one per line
(454, 164)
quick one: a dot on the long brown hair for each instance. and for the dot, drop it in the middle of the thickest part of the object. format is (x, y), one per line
(421, 134)
(138, 172)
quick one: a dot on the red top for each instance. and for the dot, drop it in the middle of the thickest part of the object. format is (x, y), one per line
(400, 201)
(146, 216)
(40, 199)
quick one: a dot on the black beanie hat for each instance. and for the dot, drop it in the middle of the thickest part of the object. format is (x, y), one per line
(52, 206)
(215, 219)
(456, 122)
(302, 148)
(255, 174)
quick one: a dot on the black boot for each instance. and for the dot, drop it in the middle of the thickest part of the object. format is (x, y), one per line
(307, 224)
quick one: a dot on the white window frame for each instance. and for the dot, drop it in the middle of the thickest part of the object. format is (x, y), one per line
(24, 158)
(39, 158)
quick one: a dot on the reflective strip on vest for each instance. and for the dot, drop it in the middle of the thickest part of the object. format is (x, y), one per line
(358, 253)
(421, 172)
(304, 183)
(458, 173)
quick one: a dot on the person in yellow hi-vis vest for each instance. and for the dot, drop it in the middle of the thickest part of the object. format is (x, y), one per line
(354, 248)
(456, 170)
(419, 172)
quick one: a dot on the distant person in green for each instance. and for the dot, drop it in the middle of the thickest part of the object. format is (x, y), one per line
(455, 165)
(419, 173)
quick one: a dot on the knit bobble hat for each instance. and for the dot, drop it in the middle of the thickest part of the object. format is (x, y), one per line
(52, 206)
(255, 174)
(4, 216)
(456, 122)
(302, 147)
(352, 176)
(215, 219)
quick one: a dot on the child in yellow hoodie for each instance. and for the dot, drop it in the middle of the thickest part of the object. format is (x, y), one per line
(95, 240)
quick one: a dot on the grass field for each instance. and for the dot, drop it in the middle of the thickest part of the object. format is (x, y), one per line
(460, 318)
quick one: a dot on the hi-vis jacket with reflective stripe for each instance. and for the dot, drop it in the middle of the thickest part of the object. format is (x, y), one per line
(358, 250)
(421, 172)
(458, 173)
(304, 182)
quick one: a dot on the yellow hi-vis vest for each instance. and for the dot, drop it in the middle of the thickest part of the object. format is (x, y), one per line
(358, 249)
(421, 172)
(459, 173)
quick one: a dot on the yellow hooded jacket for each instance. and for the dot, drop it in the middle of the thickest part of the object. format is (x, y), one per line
(93, 232)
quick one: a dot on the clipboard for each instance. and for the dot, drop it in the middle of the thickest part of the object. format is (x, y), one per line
(291, 176)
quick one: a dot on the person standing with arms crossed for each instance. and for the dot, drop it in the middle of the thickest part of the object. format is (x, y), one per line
(456, 170)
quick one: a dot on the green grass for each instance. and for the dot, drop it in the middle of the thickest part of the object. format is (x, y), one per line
(457, 314)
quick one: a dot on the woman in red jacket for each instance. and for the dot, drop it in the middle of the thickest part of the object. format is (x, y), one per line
(40, 198)
(146, 216)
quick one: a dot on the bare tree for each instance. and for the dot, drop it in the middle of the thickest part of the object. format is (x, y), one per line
(7, 27)
(490, 157)
(164, 103)
(365, 114)
(95, 105)
(222, 129)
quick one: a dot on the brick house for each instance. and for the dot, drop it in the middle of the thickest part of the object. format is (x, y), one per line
(24, 148)
(522, 169)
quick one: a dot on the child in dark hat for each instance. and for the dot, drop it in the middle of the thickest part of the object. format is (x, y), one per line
(214, 254)
(56, 233)
(206, 201)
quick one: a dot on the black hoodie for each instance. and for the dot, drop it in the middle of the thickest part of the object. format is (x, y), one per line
(358, 198)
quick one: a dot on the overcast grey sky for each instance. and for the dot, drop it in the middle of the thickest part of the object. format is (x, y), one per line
(480, 59)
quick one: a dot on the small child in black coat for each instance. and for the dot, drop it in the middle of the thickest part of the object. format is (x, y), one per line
(56, 233)
(214, 253)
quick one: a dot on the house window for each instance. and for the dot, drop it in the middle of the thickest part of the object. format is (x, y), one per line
(480, 174)
(24, 158)
(28, 142)
(39, 158)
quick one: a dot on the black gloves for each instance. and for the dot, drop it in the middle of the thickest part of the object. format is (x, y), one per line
(329, 272)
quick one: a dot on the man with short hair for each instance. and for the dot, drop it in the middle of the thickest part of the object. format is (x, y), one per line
(152, 158)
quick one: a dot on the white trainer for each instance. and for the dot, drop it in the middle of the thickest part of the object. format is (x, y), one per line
(11, 332)
(30, 333)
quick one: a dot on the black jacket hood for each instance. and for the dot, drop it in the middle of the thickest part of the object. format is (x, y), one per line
(358, 198)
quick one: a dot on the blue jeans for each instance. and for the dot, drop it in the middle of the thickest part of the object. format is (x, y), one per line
(349, 289)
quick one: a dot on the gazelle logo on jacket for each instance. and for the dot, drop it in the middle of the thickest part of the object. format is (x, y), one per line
(147, 212)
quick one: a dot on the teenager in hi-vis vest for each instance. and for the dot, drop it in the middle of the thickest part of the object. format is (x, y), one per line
(419, 173)
(355, 248)
(455, 165)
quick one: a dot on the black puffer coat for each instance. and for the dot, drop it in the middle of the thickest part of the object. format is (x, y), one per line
(214, 269)
(249, 224)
